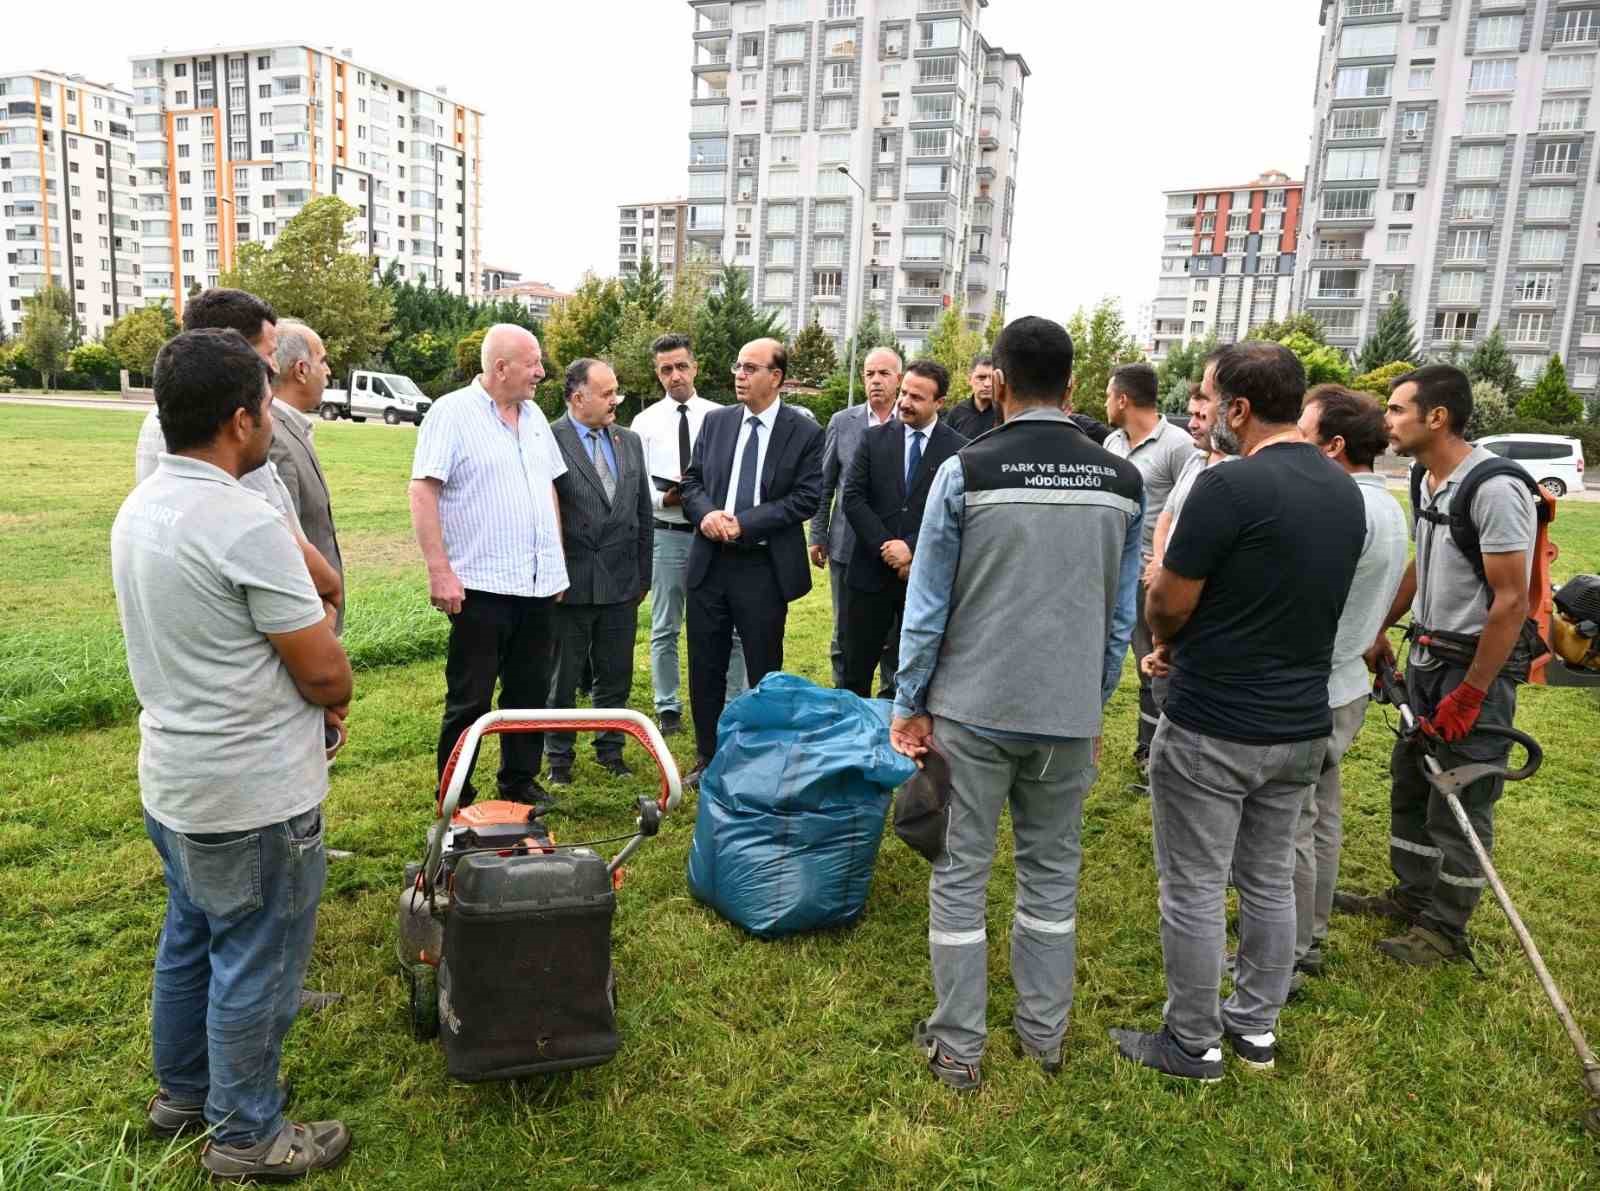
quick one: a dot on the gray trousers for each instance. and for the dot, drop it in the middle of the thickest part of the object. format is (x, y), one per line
(1435, 868)
(1044, 785)
(1149, 705)
(1220, 806)
(1321, 834)
(887, 665)
(670, 563)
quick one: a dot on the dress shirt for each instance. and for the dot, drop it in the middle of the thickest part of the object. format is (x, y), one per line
(911, 432)
(768, 418)
(588, 436)
(657, 427)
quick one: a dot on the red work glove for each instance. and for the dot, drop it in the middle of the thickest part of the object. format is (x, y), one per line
(1456, 714)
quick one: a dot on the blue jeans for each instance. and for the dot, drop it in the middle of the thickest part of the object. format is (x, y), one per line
(241, 913)
(670, 564)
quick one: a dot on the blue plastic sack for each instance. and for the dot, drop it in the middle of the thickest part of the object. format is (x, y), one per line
(792, 807)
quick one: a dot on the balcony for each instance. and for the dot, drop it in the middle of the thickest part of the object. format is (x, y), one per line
(977, 279)
(1370, 8)
(1359, 132)
(919, 293)
(1558, 168)
(987, 138)
(1343, 253)
(1334, 294)
(983, 215)
(931, 6)
(1581, 35)
(712, 20)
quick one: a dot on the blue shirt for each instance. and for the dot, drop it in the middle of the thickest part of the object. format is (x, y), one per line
(933, 574)
(588, 437)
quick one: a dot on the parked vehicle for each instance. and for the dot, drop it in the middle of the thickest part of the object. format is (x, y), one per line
(1554, 461)
(386, 395)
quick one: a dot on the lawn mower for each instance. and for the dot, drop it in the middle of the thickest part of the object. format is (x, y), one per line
(505, 934)
(1449, 783)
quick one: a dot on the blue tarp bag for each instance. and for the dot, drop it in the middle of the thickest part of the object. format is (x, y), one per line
(792, 807)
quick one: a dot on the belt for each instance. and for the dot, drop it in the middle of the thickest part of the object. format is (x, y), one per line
(674, 526)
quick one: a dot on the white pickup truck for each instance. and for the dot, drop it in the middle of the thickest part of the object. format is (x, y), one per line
(386, 395)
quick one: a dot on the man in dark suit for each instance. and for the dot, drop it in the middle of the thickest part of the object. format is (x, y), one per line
(754, 481)
(607, 536)
(297, 385)
(884, 494)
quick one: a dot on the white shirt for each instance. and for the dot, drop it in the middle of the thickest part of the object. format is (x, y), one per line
(905, 456)
(768, 418)
(657, 427)
(264, 481)
(1377, 578)
(496, 508)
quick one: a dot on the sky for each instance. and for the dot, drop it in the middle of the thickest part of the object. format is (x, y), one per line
(586, 106)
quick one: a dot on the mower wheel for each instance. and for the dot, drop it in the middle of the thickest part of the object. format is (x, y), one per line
(423, 982)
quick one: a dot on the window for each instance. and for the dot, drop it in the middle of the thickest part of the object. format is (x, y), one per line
(1578, 27)
(1350, 164)
(937, 70)
(1475, 202)
(1199, 306)
(833, 147)
(1531, 328)
(706, 185)
(788, 80)
(1347, 204)
(1550, 202)
(785, 149)
(1413, 124)
(1563, 115)
(747, 83)
(786, 113)
(781, 218)
(832, 217)
(791, 44)
(935, 107)
(1420, 78)
(1355, 123)
(1495, 74)
(1235, 245)
(835, 113)
(1427, 37)
(1480, 161)
(1238, 221)
(827, 283)
(1402, 203)
(783, 183)
(1353, 82)
(1591, 324)
(778, 287)
(1569, 70)
(1408, 167)
(1536, 287)
(938, 35)
(930, 142)
(1499, 33)
(780, 251)
(1461, 286)
(1543, 244)
(1398, 241)
(922, 247)
(922, 178)
(831, 182)
(1558, 159)
(1368, 41)
(1470, 245)
(1486, 119)
(1450, 325)
(841, 76)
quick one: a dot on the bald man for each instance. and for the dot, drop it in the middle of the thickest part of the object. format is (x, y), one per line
(486, 515)
(832, 539)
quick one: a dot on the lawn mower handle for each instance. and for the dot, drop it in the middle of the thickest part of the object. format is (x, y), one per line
(1389, 688)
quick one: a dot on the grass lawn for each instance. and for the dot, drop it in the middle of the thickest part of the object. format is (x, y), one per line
(744, 1064)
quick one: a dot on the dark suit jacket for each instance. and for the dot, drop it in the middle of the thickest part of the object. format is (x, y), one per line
(607, 542)
(791, 488)
(301, 472)
(877, 503)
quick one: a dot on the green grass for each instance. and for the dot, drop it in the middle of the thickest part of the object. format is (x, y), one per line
(788, 1064)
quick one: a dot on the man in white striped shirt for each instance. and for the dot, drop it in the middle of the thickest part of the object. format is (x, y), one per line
(486, 515)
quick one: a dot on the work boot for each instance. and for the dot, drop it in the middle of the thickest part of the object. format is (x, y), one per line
(560, 775)
(1164, 1053)
(1422, 947)
(1377, 905)
(944, 1066)
(295, 1152)
(670, 722)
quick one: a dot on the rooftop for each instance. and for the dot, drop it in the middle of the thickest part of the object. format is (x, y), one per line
(1270, 180)
(74, 80)
(531, 289)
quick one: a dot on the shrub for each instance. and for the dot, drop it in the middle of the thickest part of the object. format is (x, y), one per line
(1491, 412)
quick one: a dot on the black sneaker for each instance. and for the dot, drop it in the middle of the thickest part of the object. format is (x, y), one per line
(1162, 1052)
(616, 766)
(1259, 1052)
(529, 794)
(946, 1068)
(296, 1151)
(168, 1118)
(561, 775)
(670, 723)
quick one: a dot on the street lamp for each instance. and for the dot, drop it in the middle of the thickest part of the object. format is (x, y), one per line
(855, 288)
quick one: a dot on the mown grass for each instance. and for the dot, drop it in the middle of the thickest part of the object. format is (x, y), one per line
(751, 1064)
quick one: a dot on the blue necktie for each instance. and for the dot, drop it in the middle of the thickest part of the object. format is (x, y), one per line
(746, 496)
(915, 461)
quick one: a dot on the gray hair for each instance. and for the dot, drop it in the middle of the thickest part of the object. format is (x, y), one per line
(294, 346)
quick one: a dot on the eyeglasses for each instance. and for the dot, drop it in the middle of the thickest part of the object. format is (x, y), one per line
(743, 369)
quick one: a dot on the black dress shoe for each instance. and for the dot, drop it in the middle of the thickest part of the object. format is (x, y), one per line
(670, 723)
(615, 766)
(532, 794)
(691, 780)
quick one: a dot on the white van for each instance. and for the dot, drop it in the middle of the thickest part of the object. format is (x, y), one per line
(386, 395)
(1554, 461)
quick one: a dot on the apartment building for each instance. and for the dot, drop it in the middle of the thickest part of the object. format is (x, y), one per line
(1453, 163)
(655, 230)
(539, 298)
(1228, 259)
(495, 277)
(231, 143)
(854, 155)
(67, 206)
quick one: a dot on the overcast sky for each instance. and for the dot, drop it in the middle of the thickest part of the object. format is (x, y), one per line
(586, 106)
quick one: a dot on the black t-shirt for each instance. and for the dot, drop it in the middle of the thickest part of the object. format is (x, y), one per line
(967, 420)
(1276, 537)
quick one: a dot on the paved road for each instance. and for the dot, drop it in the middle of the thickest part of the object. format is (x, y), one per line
(79, 403)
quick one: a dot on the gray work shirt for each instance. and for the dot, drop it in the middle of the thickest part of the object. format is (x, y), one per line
(203, 571)
(1378, 573)
(1450, 596)
(264, 481)
(1160, 458)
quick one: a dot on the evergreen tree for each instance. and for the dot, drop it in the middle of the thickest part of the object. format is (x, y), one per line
(954, 344)
(1182, 367)
(1101, 343)
(992, 329)
(1295, 324)
(812, 359)
(1491, 361)
(644, 290)
(1393, 339)
(585, 325)
(724, 324)
(1550, 399)
(871, 334)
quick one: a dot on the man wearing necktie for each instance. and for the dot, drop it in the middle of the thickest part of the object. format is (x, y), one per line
(606, 533)
(754, 481)
(884, 494)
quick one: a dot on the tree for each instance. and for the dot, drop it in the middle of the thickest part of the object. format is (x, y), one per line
(644, 291)
(870, 335)
(1491, 412)
(992, 329)
(953, 344)
(1323, 364)
(1393, 339)
(310, 274)
(1295, 324)
(812, 358)
(1182, 367)
(1101, 343)
(425, 357)
(47, 331)
(1380, 381)
(469, 353)
(1551, 400)
(95, 362)
(137, 336)
(585, 324)
(1491, 361)
(725, 323)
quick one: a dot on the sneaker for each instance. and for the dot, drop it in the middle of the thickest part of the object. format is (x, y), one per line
(1313, 961)
(1259, 1052)
(561, 775)
(691, 780)
(616, 766)
(1049, 1059)
(530, 794)
(1421, 947)
(1141, 762)
(945, 1067)
(1378, 905)
(1164, 1053)
(168, 1118)
(295, 1152)
(670, 723)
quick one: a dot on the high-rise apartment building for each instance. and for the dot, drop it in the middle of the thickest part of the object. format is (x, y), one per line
(655, 230)
(231, 143)
(1227, 261)
(67, 207)
(854, 156)
(1453, 163)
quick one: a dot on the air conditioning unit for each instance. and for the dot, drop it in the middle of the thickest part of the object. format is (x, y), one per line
(744, 196)
(892, 50)
(1413, 135)
(743, 228)
(887, 120)
(877, 227)
(784, 160)
(873, 262)
(746, 162)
